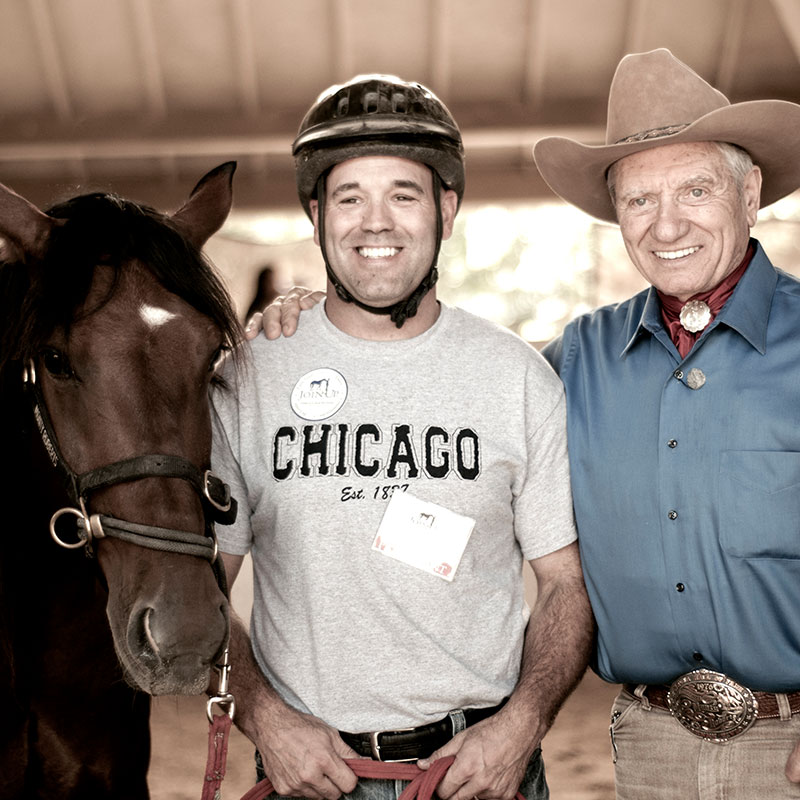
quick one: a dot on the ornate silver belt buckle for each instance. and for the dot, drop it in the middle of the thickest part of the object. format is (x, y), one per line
(711, 705)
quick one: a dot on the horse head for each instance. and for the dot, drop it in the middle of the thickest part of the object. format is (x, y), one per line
(120, 326)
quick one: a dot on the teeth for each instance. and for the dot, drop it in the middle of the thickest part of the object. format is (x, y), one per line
(377, 252)
(670, 255)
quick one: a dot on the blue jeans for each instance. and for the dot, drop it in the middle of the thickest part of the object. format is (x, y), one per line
(533, 787)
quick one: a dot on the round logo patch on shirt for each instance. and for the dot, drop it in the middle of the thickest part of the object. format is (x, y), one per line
(319, 394)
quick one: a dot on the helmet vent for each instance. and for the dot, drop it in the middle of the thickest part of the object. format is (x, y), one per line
(399, 103)
(370, 102)
(343, 106)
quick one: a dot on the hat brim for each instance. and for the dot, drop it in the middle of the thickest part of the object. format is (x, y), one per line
(769, 130)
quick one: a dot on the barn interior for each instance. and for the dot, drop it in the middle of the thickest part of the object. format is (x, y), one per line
(144, 96)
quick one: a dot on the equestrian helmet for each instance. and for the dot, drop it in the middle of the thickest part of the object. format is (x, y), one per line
(377, 115)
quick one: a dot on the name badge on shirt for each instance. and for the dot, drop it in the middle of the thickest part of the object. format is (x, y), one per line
(424, 535)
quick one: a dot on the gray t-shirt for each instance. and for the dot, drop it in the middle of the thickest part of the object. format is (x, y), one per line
(317, 436)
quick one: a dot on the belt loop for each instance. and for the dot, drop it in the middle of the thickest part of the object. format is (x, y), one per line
(639, 692)
(459, 721)
(784, 709)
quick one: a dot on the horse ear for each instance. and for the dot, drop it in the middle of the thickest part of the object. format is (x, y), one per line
(208, 205)
(24, 227)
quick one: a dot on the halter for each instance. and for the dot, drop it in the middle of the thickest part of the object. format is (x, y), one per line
(215, 495)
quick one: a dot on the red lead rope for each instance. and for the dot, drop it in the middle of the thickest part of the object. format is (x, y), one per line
(422, 786)
(218, 732)
(364, 768)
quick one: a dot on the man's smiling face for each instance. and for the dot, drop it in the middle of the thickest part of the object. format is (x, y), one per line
(380, 226)
(685, 222)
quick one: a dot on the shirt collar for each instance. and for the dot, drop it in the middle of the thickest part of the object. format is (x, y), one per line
(648, 321)
(746, 311)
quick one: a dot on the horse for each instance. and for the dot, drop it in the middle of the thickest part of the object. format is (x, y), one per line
(111, 324)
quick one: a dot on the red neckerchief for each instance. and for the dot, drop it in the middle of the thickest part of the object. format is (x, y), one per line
(671, 307)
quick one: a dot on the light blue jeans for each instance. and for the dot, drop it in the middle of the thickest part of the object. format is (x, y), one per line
(658, 759)
(533, 787)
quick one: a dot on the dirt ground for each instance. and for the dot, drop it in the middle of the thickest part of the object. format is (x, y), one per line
(576, 750)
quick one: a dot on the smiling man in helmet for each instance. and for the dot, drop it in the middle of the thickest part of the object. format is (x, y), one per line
(400, 460)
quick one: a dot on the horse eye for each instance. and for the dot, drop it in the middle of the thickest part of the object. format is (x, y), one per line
(215, 364)
(56, 363)
(217, 358)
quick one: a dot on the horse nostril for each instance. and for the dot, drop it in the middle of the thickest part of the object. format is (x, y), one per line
(148, 633)
(141, 640)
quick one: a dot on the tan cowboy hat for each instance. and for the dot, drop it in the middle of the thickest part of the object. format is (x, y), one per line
(656, 100)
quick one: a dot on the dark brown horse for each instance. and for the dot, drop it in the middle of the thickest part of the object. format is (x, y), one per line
(111, 323)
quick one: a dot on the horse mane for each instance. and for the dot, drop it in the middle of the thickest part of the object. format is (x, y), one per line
(37, 296)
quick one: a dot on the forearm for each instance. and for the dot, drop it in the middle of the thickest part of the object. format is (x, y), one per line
(558, 644)
(302, 755)
(256, 701)
(492, 756)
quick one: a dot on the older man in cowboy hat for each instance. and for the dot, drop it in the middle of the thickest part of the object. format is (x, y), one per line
(684, 437)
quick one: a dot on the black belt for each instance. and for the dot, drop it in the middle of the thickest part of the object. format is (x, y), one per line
(411, 744)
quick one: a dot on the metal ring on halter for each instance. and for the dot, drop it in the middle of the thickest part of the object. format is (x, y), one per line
(223, 506)
(92, 527)
(58, 540)
(29, 372)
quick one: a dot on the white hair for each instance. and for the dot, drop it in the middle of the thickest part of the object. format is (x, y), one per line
(738, 160)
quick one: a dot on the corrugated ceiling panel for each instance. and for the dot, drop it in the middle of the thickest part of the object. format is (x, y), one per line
(584, 71)
(293, 51)
(371, 32)
(196, 46)
(98, 54)
(489, 48)
(27, 92)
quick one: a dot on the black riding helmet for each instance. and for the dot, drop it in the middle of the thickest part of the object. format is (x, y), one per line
(378, 115)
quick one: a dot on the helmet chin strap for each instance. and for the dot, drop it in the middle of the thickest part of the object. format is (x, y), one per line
(403, 309)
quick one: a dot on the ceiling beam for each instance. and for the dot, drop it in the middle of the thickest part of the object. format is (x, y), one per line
(341, 41)
(52, 64)
(439, 46)
(244, 52)
(533, 76)
(273, 191)
(144, 30)
(155, 91)
(636, 27)
(142, 147)
(732, 39)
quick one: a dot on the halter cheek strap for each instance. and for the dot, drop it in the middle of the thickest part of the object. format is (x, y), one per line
(215, 495)
(403, 309)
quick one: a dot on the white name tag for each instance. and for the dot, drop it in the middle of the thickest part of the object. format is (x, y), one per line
(424, 535)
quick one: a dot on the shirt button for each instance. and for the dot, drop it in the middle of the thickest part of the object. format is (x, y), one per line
(680, 587)
(672, 443)
(697, 656)
(673, 515)
(678, 374)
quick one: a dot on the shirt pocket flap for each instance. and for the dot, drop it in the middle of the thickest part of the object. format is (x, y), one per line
(760, 503)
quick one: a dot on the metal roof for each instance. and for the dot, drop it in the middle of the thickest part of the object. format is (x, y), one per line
(145, 95)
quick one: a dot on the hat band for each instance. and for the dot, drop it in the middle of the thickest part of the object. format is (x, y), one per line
(653, 133)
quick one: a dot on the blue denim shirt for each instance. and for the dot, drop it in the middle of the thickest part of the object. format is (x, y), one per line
(686, 484)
